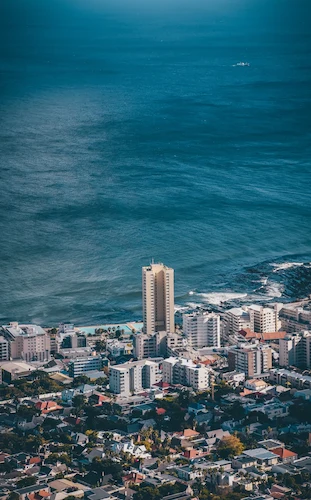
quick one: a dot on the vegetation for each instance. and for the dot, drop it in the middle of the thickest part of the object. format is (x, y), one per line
(229, 446)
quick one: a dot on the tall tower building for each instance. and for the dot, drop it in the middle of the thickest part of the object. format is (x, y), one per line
(158, 298)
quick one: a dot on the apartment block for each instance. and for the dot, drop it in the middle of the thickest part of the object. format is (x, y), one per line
(149, 345)
(295, 319)
(28, 342)
(83, 365)
(4, 349)
(253, 360)
(263, 319)
(158, 298)
(185, 372)
(295, 350)
(236, 319)
(132, 377)
(202, 329)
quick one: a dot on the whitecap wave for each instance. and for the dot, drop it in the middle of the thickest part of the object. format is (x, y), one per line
(285, 265)
(275, 290)
(179, 308)
(194, 305)
(216, 298)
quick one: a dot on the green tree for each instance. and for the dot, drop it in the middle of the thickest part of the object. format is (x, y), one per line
(26, 481)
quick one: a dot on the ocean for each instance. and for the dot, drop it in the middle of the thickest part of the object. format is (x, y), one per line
(128, 131)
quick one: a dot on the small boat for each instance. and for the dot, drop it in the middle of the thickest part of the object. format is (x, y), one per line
(242, 64)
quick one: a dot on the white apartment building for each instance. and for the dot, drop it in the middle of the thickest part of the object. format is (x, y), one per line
(185, 372)
(28, 342)
(149, 345)
(4, 349)
(202, 329)
(236, 319)
(133, 377)
(263, 319)
(295, 350)
(295, 319)
(158, 298)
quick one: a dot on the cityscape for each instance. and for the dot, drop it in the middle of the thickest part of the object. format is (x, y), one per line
(216, 406)
(155, 250)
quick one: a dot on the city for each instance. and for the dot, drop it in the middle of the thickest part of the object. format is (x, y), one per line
(214, 406)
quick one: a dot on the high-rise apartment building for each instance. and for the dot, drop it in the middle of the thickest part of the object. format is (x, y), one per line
(85, 364)
(4, 349)
(132, 377)
(28, 342)
(202, 329)
(262, 319)
(251, 359)
(158, 298)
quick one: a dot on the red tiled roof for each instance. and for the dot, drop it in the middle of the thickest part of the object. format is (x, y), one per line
(161, 411)
(35, 460)
(283, 452)
(190, 433)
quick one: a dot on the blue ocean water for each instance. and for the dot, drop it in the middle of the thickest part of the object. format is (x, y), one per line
(128, 132)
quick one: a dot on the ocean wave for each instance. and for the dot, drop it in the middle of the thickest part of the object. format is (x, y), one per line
(216, 298)
(285, 266)
(179, 308)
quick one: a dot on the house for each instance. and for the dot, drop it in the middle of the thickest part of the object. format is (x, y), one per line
(255, 384)
(285, 455)
(47, 406)
(263, 456)
(138, 451)
(187, 473)
(34, 492)
(80, 438)
(243, 462)
(195, 408)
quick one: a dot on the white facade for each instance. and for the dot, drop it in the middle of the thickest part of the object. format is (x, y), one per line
(295, 350)
(132, 377)
(158, 298)
(262, 319)
(4, 349)
(202, 329)
(236, 319)
(185, 372)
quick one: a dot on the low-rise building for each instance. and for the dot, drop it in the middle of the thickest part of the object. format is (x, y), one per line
(83, 365)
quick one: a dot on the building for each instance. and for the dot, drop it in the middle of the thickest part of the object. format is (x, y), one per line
(149, 345)
(133, 377)
(295, 350)
(290, 378)
(83, 365)
(202, 329)
(236, 319)
(175, 341)
(253, 360)
(158, 298)
(185, 372)
(295, 319)
(262, 319)
(4, 349)
(27, 342)
(13, 370)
